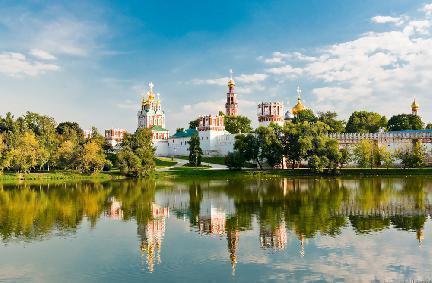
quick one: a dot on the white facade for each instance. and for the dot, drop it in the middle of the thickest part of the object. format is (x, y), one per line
(213, 143)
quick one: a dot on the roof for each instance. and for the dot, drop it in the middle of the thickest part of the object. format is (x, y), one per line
(413, 131)
(185, 134)
(158, 128)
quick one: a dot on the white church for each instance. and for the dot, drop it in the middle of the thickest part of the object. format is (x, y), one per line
(214, 139)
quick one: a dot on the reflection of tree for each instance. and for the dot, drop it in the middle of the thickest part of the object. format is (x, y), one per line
(195, 198)
(34, 211)
(304, 206)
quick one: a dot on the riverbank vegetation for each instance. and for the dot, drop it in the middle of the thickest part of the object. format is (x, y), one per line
(304, 141)
(35, 146)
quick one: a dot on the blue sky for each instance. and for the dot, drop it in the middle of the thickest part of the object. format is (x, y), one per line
(90, 61)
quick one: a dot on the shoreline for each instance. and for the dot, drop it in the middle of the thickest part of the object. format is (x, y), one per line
(346, 172)
(204, 173)
(59, 175)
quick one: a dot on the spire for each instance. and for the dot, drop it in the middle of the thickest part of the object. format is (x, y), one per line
(414, 107)
(299, 91)
(299, 106)
(231, 82)
(150, 94)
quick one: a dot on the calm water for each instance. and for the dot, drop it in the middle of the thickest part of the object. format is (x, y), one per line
(194, 231)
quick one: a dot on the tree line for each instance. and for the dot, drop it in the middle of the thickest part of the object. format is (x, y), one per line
(358, 122)
(303, 141)
(35, 142)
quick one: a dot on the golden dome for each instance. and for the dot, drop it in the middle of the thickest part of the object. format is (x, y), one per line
(298, 107)
(231, 82)
(414, 105)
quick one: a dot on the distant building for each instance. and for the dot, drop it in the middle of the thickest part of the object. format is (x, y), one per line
(231, 105)
(114, 137)
(152, 116)
(270, 112)
(87, 133)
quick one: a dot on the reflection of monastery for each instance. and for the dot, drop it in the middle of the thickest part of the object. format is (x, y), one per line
(284, 213)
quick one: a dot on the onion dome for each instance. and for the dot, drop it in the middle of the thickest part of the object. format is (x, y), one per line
(298, 107)
(231, 82)
(414, 106)
(289, 115)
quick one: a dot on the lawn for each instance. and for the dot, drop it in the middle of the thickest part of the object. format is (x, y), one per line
(162, 162)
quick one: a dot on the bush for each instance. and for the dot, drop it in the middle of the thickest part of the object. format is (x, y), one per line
(234, 160)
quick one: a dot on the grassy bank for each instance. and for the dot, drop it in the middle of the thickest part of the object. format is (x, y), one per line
(191, 172)
(60, 175)
(162, 162)
(216, 160)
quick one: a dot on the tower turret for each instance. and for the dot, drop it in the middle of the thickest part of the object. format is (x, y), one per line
(414, 107)
(231, 105)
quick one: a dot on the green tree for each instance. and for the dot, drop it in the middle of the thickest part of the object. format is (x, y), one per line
(330, 119)
(429, 126)
(234, 160)
(323, 154)
(128, 162)
(237, 124)
(385, 156)
(138, 146)
(26, 155)
(305, 115)
(67, 154)
(270, 144)
(405, 122)
(297, 139)
(4, 158)
(249, 148)
(91, 158)
(195, 151)
(365, 122)
(194, 124)
(414, 157)
(70, 130)
(44, 128)
(345, 156)
(364, 153)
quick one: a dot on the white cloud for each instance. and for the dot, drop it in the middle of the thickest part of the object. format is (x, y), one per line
(427, 9)
(285, 70)
(387, 20)
(279, 58)
(219, 81)
(41, 54)
(250, 78)
(379, 71)
(245, 79)
(17, 64)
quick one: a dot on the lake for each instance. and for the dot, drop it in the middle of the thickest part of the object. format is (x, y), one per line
(251, 230)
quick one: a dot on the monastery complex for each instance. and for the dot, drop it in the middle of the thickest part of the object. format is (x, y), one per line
(216, 141)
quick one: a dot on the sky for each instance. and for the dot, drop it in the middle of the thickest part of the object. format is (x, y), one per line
(91, 61)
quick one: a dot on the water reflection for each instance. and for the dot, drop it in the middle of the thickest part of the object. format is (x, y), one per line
(282, 208)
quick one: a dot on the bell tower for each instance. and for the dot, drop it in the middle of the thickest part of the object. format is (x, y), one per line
(231, 105)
